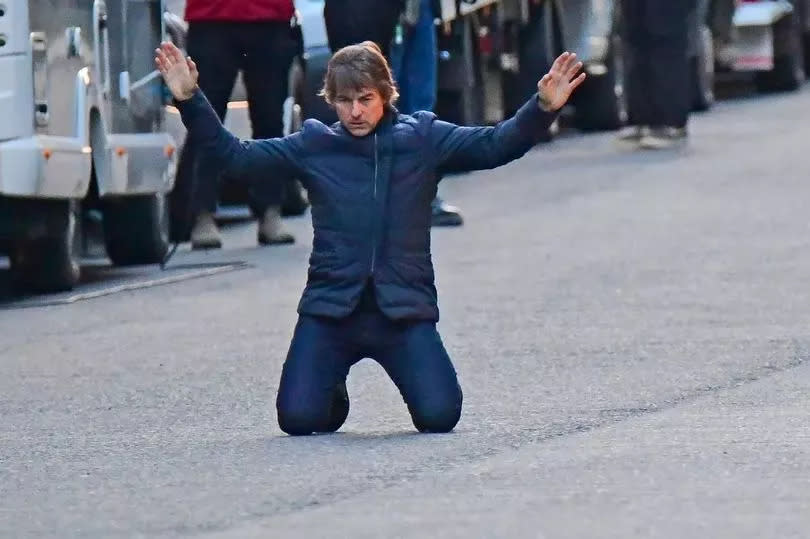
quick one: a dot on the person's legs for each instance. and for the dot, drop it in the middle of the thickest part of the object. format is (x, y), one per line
(420, 73)
(210, 45)
(349, 22)
(669, 89)
(637, 81)
(414, 63)
(669, 81)
(269, 50)
(399, 65)
(312, 392)
(418, 364)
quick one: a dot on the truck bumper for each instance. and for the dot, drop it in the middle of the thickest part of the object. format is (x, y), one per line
(752, 48)
(142, 163)
(44, 167)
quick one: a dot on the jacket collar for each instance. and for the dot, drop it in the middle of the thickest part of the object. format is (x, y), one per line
(388, 119)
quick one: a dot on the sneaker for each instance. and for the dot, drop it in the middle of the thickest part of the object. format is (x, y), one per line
(662, 138)
(271, 231)
(444, 214)
(631, 133)
(205, 234)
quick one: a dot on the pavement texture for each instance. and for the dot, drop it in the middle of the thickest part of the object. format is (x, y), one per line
(630, 330)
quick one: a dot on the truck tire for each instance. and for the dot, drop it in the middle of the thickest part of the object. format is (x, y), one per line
(601, 103)
(460, 98)
(49, 262)
(702, 71)
(136, 229)
(788, 72)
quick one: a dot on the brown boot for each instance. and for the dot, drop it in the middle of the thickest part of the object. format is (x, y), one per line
(271, 231)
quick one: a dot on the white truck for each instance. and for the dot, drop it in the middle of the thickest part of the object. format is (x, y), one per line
(82, 136)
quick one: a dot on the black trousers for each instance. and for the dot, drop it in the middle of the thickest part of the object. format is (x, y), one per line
(312, 393)
(353, 21)
(656, 44)
(264, 52)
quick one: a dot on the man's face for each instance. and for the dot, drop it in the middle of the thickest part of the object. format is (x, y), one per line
(359, 112)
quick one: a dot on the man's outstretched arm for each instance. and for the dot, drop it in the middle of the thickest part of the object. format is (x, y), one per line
(473, 148)
(235, 158)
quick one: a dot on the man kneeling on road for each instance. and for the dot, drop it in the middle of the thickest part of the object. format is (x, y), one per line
(371, 179)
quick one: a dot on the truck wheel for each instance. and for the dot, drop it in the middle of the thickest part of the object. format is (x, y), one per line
(136, 229)
(601, 104)
(49, 262)
(294, 201)
(788, 72)
(460, 98)
(702, 72)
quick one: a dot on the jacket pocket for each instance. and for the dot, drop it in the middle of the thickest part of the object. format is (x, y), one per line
(410, 268)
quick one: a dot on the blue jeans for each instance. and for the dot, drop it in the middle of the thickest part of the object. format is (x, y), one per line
(415, 63)
(312, 393)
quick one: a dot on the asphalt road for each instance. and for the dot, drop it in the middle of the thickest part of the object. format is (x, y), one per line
(630, 330)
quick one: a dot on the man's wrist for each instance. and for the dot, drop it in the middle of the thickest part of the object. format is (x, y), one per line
(544, 105)
(186, 96)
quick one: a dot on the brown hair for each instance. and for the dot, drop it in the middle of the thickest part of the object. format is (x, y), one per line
(357, 67)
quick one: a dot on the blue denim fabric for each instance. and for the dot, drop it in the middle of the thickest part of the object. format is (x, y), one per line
(312, 392)
(415, 63)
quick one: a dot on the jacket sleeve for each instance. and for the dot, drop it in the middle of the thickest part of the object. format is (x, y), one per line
(241, 160)
(461, 149)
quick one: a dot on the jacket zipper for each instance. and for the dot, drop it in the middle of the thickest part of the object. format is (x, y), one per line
(374, 235)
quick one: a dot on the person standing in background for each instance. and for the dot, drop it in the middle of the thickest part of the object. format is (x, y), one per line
(658, 91)
(405, 32)
(414, 60)
(224, 37)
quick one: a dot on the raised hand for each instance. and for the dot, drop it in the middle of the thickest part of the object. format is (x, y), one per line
(179, 73)
(557, 85)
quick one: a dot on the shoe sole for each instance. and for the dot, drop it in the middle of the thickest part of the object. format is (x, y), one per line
(204, 246)
(447, 221)
(276, 241)
(670, 145)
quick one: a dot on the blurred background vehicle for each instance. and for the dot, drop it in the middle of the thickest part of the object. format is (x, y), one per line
(491, 52)
(767, 41)
(84, 153)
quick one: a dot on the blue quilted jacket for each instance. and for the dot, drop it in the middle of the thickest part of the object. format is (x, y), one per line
(370, 195)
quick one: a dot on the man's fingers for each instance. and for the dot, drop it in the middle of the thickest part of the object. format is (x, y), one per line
(164, 58)
(172, 52)
(573, 70)
(570, 62)
(563, 62)
(160, 61)
(560, 62)
(192, 67)
(577, 81)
